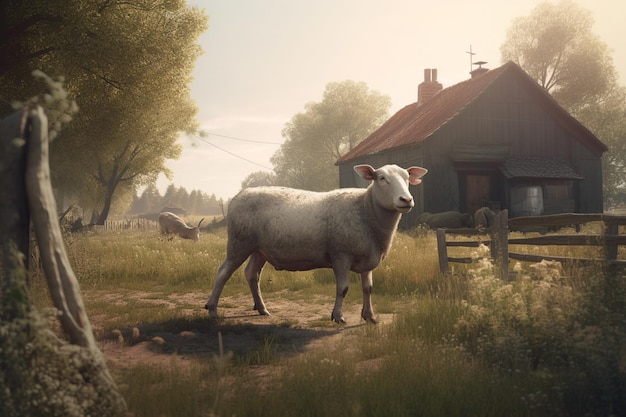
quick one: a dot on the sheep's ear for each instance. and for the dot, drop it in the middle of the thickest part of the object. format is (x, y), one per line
(365, 171)
(415, 173)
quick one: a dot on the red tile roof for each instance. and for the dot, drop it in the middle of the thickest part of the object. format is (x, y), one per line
(414, 123)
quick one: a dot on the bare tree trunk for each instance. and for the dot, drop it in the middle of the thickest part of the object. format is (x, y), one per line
(104, 214)
(62, 282)
(49, 377)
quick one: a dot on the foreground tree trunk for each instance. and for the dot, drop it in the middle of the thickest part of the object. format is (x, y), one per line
(42, 374)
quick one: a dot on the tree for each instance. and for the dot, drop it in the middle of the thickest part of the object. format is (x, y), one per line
(325, 131)
(128, 65)
(555, 45)
(258, 179)
(607, 120)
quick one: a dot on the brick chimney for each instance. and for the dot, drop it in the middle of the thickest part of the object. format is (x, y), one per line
(429, 87)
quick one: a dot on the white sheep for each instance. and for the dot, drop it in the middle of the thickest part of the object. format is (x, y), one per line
(171, 223)
(346, 230)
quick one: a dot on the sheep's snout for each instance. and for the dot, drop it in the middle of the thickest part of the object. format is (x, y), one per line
(405, 204)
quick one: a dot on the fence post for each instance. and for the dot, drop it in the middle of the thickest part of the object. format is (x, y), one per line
(611, 229)
(442, 250)
(500, 242)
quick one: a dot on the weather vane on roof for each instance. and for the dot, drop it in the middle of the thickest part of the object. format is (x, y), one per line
(471, 55)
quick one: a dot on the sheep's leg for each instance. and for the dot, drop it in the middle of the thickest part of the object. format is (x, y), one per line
(223, 274)
(253, 276)
(367, 313)
(342, 277)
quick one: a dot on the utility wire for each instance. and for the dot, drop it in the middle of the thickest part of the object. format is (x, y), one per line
(233, 154)
(235, 138)
(205, 140)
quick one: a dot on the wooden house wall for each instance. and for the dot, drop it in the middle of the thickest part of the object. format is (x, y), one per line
(506, 113)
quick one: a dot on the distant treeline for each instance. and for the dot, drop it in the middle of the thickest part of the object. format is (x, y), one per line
(194, 202)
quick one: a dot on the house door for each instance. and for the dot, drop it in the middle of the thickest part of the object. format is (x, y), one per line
(478, 187)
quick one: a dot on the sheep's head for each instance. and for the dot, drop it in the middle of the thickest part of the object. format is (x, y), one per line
(196, 231)
(390, 185)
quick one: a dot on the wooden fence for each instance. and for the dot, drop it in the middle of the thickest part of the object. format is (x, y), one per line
(500, 242)
(130, 224)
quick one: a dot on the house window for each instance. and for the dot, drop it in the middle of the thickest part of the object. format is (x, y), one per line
(526, 200)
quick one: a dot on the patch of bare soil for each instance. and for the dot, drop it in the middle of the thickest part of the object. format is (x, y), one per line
(292, 328)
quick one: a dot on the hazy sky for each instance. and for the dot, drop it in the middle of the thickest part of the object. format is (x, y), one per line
(265, 59)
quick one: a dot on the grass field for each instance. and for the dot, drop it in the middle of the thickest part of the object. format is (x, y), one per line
(550, 343)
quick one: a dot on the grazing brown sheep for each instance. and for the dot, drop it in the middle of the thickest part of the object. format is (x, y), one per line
(171, 223)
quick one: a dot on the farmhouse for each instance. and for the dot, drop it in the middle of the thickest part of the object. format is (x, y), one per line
(497, 139)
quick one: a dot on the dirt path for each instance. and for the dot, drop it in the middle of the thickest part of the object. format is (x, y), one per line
(293, 328)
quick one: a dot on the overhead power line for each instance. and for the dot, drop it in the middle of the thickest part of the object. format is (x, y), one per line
(241, 139)
(232, 154)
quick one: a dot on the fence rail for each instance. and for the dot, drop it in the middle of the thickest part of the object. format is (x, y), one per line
(130, 224)
(499, 241)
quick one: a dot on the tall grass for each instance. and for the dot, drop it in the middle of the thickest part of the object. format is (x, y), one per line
(550, 343)
(137, 259)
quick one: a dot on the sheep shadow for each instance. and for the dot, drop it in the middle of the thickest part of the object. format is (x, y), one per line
(198, 337)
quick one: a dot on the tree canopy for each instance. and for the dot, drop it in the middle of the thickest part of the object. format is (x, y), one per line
(128, 65)
(325, 131)
(258, 179)
(150, 201)
(556, 46)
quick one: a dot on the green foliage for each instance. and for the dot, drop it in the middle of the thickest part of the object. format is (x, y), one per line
(556, 47)
(128, 66)
(568, 334)
(258, 179)
(325, 131)
(607, 120)
(42, 375)
(196, 202)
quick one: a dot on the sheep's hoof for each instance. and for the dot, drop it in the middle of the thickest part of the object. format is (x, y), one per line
(340, 320)
(371, 319)
(262, 311)
(368, 317)
(212, 311)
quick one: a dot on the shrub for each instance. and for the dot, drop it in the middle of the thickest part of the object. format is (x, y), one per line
(568, 334)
